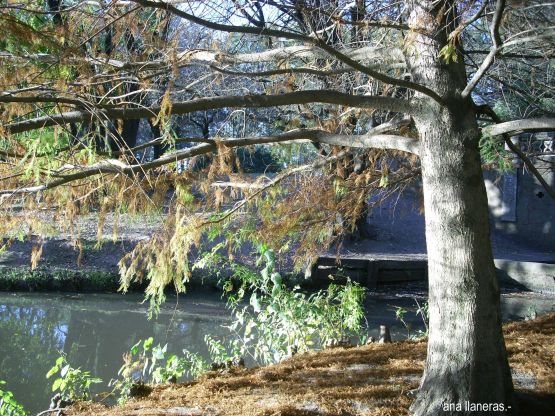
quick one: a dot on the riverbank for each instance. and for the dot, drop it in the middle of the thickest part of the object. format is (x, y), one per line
(90, 265)
(398, 241)
(374, 379)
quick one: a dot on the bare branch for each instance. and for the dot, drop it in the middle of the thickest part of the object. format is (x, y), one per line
(315, 165)
(515, 127)
(294, 36)
(530, 165)
(237, 185)
(201, 56)
(496, 46)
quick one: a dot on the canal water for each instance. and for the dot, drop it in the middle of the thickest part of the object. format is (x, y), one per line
(95, 330)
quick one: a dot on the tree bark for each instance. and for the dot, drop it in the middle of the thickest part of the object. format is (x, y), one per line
(467, 362)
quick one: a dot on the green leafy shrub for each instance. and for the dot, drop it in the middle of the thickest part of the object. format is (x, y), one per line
(280, 321)
(493, 152)
(145, 363)
(72, 383)
(8, 405)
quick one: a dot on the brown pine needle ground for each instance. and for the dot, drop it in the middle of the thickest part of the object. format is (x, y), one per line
(366, 380)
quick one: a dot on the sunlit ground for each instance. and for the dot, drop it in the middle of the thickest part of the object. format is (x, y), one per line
(368, 380)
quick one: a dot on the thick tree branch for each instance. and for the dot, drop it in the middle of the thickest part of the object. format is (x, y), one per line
(210, 103)
(309, 135)
(378, 56)
(113, 166)
(35, 99)
(515, 127)
(364, 141)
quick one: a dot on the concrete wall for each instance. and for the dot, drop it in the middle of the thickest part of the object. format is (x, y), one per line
(538, 277)
(532, 216)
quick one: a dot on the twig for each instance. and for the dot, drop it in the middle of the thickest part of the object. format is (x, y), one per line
(44, 412)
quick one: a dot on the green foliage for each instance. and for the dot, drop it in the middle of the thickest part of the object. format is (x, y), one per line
(422, 310)
(43, 150)
(175, 367)
(280, 321)
(449, 53)
(277, 322)
(493, 151)
(400, 314)
(72, 383)
(133, 370)
(146, 363)
(8, 405)
(424, 313)
(41, 279)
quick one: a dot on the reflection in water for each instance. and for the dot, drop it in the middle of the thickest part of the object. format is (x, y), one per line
(95, 330)
(29, 339)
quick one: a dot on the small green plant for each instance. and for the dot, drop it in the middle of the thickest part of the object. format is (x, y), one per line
(133, 371)
(422, 310)
(400, 314)
(190, 365)
(145, 363)
(424, 313)
(72, 383)
(8, 405)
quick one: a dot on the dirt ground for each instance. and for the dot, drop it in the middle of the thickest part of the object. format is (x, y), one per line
(372, 380)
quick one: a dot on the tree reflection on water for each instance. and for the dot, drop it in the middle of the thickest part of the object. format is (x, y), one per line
(93, 332)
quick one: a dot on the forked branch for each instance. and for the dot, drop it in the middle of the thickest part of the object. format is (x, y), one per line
(294, 36)
(496, 47)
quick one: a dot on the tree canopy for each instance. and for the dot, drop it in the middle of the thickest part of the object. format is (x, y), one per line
(109, 107)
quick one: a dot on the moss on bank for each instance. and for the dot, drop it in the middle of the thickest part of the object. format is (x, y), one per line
(42, 279)
(369, 380)
(45, 279)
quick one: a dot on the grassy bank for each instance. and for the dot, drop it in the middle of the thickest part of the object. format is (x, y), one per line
(53, 279)
(373, 380)
(99, 280)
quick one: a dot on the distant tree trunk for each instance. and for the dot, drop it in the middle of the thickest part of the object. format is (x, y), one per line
(467, 360)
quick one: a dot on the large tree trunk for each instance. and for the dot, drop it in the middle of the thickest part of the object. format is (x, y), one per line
(467, 361)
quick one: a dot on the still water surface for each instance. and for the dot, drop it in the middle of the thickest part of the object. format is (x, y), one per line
(95, 330)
